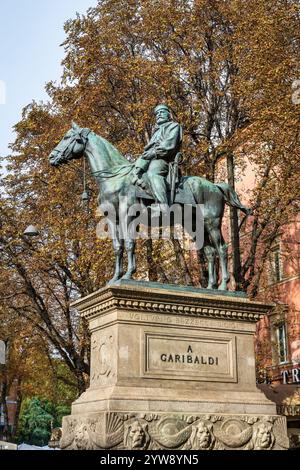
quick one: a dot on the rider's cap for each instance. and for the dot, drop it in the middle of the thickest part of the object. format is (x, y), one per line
(161, 106)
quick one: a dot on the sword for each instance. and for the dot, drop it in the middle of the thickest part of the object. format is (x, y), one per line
(174, 176)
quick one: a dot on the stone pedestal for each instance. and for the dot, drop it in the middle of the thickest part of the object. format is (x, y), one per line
(172, 368)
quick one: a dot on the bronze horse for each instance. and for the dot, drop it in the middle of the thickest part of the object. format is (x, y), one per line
(113, 174)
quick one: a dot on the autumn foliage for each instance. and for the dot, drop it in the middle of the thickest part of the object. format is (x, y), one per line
(226, 69)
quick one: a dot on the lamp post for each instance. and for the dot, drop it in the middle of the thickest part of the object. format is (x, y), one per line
(31, 231)
(2, 353)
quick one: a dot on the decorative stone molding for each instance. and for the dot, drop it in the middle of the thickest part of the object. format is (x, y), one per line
(169, 432)
(161, 300)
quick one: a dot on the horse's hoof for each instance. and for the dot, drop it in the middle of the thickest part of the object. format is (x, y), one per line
(114, 280)
(222, 287)
(127, 277)
(212, 286)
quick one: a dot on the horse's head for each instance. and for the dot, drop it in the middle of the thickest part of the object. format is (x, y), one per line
(71, 146)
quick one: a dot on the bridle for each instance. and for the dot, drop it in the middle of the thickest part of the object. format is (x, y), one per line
(79, 136)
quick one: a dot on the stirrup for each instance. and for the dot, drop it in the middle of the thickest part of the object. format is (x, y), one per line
(134, 179)
(142, 184)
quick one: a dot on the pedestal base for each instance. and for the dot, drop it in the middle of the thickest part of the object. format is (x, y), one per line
(169, 431)
(172, 368)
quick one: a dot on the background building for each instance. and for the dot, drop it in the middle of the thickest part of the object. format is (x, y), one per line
(277, 342)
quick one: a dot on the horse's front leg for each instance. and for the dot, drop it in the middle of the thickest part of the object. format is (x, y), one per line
(131, 268)
(128, 233)
(119, 251)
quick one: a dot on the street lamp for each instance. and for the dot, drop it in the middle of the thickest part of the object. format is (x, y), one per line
(2, 352)
(31, 231)
(85, 197)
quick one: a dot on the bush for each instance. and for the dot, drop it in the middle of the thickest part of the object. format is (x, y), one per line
(37, 418)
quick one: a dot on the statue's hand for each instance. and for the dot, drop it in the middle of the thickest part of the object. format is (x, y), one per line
(149, 155)
(138, 172)
(137, 175)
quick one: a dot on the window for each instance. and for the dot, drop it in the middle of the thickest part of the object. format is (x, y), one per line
(276, 274)
(282, 344)
(277, 265)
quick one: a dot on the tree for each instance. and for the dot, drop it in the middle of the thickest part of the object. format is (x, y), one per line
(14, 371)
(226, 69)
(36, 421)
(37, 288)
(32, 369)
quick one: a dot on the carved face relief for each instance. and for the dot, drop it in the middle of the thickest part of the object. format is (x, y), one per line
(263, 437)
(56, 435)
(81, 438)
(202, 436)
(136, 436)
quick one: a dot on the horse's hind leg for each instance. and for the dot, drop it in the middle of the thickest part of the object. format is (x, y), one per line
(210, 254)
(119, 250)
(221, 247)
(224, 268)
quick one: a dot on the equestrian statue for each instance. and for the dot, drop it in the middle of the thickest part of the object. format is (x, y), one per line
(154, 181)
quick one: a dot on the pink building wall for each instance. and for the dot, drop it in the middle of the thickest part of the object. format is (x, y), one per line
(283, 292)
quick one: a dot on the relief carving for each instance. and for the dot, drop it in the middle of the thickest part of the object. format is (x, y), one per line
(76, 436)
(280, 432)
(102, 351)
(136, 436)
(159, 432)
(202, 437)
(171, 433)
(262, 438)
(109, 435)
(234, 433)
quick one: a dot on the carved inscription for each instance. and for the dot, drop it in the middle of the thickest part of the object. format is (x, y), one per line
(196, 358)
(189, 358)
(188, 321)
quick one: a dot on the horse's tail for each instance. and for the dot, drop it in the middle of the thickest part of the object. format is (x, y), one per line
(232, 199)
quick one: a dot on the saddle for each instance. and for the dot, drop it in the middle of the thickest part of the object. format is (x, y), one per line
(181, 196)
(176, 192)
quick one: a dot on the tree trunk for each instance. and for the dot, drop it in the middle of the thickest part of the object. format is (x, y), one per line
(203, 271)
(18, 409)
(181, 261)
(4, 393)
(234, 228)
(81, 383)
(152, 268)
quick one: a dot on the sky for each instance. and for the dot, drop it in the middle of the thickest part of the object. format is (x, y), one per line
(31, 32)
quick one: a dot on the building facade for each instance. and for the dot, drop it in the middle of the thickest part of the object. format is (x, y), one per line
(277, 342)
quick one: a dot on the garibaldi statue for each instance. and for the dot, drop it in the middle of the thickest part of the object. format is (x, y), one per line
(162, 149)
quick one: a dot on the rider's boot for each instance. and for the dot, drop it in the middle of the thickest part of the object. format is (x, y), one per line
(137, 178)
